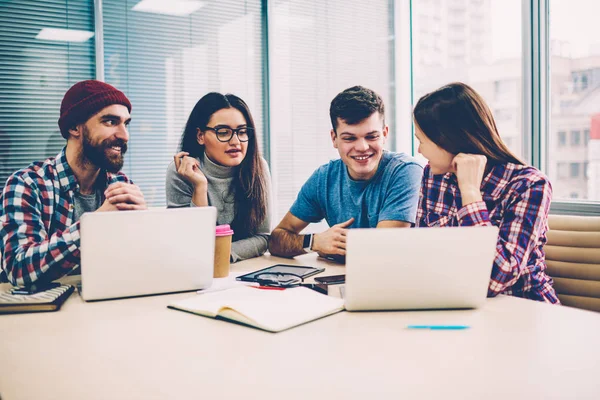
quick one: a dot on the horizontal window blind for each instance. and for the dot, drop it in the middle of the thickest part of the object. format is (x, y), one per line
(318, 49)
(36, 73)
(166, 63)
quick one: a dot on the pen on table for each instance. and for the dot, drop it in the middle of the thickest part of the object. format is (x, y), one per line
(268, 287)
(438, 327)
(314, 286)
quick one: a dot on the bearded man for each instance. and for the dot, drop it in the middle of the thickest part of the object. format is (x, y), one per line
(41, 204)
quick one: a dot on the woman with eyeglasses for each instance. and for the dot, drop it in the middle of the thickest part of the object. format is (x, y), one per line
(473, 179)
(220, 165)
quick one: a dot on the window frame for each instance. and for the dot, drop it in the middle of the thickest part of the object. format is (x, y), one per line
(536, 90)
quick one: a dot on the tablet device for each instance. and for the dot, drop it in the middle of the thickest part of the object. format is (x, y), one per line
(297, 270)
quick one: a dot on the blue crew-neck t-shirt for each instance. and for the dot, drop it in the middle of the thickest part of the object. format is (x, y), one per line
(390, 195)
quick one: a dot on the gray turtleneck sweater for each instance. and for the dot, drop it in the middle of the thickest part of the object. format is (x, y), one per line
(221, 196)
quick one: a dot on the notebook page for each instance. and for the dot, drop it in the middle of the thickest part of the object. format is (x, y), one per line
(205, 304)
(272, 310)
(281, 309)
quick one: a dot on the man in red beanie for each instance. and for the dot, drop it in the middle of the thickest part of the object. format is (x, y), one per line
(42, 204)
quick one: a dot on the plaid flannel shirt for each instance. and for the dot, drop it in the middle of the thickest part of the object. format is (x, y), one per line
(40, 240)
(517, 199)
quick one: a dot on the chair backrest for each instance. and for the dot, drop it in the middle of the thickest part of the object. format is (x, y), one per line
(573, 259)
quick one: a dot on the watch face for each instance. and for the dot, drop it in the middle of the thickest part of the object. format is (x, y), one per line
(306, 242)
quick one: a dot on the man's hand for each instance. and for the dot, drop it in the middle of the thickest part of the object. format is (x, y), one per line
(123, 196)
(333, 240)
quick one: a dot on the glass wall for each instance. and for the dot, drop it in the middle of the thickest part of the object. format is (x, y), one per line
(43, 51)
(477, 42)
(165, 56)
(318, 49)
(574, 133)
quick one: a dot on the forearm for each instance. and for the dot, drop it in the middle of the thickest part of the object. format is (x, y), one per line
(507, 269)
(251, 247)
(284, 243)
(470, 195)
(474, 214)
(181, 193)
(33, 260)
(512, 249)
(200, 196)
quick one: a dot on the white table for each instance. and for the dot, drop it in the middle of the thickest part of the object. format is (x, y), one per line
(139, 349)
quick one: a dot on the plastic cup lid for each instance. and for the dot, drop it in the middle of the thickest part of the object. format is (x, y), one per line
(224, 230)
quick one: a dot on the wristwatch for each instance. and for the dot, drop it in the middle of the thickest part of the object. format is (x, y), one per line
(307, 243)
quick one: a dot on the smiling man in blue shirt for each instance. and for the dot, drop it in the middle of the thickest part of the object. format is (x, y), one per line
(367, 187)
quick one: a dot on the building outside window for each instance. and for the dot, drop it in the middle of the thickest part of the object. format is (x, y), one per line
(586, 169)
(493, 70)
(586, 137)
(574, 170)
(575, 86)
(575, 138)
(562, 138)
(563, 170)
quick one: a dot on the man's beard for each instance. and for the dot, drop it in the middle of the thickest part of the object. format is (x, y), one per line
(97, 153)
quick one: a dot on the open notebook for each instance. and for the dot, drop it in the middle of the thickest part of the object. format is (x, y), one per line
(269, 310)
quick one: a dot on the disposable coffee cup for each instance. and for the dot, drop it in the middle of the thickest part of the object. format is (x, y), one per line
(224, 234)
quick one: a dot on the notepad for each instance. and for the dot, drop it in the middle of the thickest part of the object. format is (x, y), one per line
(269, 310)
(49, 300)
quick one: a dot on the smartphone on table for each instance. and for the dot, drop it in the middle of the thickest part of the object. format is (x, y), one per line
(331, 279)
(335, 258)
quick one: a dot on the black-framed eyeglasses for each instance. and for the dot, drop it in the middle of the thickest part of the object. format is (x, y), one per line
(225, 133)
(278, 279)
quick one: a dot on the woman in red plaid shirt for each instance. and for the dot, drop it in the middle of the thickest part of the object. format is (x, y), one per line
(472, 178)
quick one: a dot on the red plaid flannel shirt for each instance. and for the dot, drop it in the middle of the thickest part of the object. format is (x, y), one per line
(516, 198)
(40, 240)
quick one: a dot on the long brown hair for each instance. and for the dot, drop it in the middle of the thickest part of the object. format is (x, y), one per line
(250, 185)
(457, 119)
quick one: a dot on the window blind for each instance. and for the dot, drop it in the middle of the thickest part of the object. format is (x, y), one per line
(318, 49)
(166, 63)
(36, 73)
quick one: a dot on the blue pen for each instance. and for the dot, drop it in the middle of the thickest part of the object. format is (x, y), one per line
(438, 327)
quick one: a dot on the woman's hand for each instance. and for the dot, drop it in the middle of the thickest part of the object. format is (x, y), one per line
(189, 168)
(469, 170)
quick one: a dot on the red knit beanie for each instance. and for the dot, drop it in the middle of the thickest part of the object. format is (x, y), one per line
(85, 99)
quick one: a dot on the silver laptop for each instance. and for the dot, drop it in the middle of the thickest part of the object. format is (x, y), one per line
(133, 253)
(422, 268)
